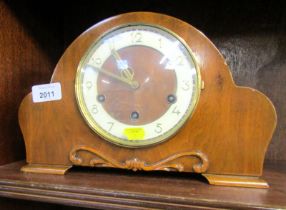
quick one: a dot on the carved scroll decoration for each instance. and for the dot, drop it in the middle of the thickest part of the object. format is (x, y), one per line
(136, 164)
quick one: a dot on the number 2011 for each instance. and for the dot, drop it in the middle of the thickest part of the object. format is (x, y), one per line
(47, 94)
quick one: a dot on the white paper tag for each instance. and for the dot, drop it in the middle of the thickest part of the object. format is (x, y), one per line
(46, 92)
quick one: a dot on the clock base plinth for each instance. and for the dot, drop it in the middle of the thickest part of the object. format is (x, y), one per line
(236, 181)
(45, 169)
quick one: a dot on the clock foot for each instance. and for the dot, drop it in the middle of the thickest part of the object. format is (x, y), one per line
(45, 169)
(236, 181)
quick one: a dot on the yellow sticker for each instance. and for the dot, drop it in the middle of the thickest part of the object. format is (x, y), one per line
(134, 133)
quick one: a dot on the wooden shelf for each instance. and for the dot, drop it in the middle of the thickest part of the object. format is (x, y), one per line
(251, 35)
(117, 189)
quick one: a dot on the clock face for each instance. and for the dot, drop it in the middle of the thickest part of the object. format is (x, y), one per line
(137, 85)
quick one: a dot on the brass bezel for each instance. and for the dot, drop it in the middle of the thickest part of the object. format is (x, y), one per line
(133, 143)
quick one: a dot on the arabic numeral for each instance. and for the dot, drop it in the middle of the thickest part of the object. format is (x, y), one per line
(180, 61)
(96, 61)
(136, 37)
(111, 124)
(187, 85)
(176, 111)
(158, 128)
(111, 44)
(94, 109)
(50, 94)
(88, 85)
(160, 42)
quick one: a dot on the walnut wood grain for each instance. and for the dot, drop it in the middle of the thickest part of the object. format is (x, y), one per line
(45, 169)
(22, 64)
(236, 181)
(232, 125)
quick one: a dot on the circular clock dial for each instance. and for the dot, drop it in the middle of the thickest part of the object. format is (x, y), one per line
(137, 85)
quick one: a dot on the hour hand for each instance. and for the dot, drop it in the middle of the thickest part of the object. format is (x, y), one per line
(133, 84)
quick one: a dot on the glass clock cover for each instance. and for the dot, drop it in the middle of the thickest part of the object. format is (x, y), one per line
(137, 85)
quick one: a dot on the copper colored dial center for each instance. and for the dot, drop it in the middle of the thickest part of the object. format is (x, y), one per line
(149, 99)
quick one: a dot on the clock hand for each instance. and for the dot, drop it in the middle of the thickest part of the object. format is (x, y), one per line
(134, 84)
(116, 55)
(122, 65)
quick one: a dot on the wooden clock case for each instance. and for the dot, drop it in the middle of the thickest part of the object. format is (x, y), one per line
(225, 139)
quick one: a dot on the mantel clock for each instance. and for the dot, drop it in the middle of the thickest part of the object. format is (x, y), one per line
(146, 91)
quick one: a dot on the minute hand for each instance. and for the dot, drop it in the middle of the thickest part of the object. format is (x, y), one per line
(125, 70)
(133, 84)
